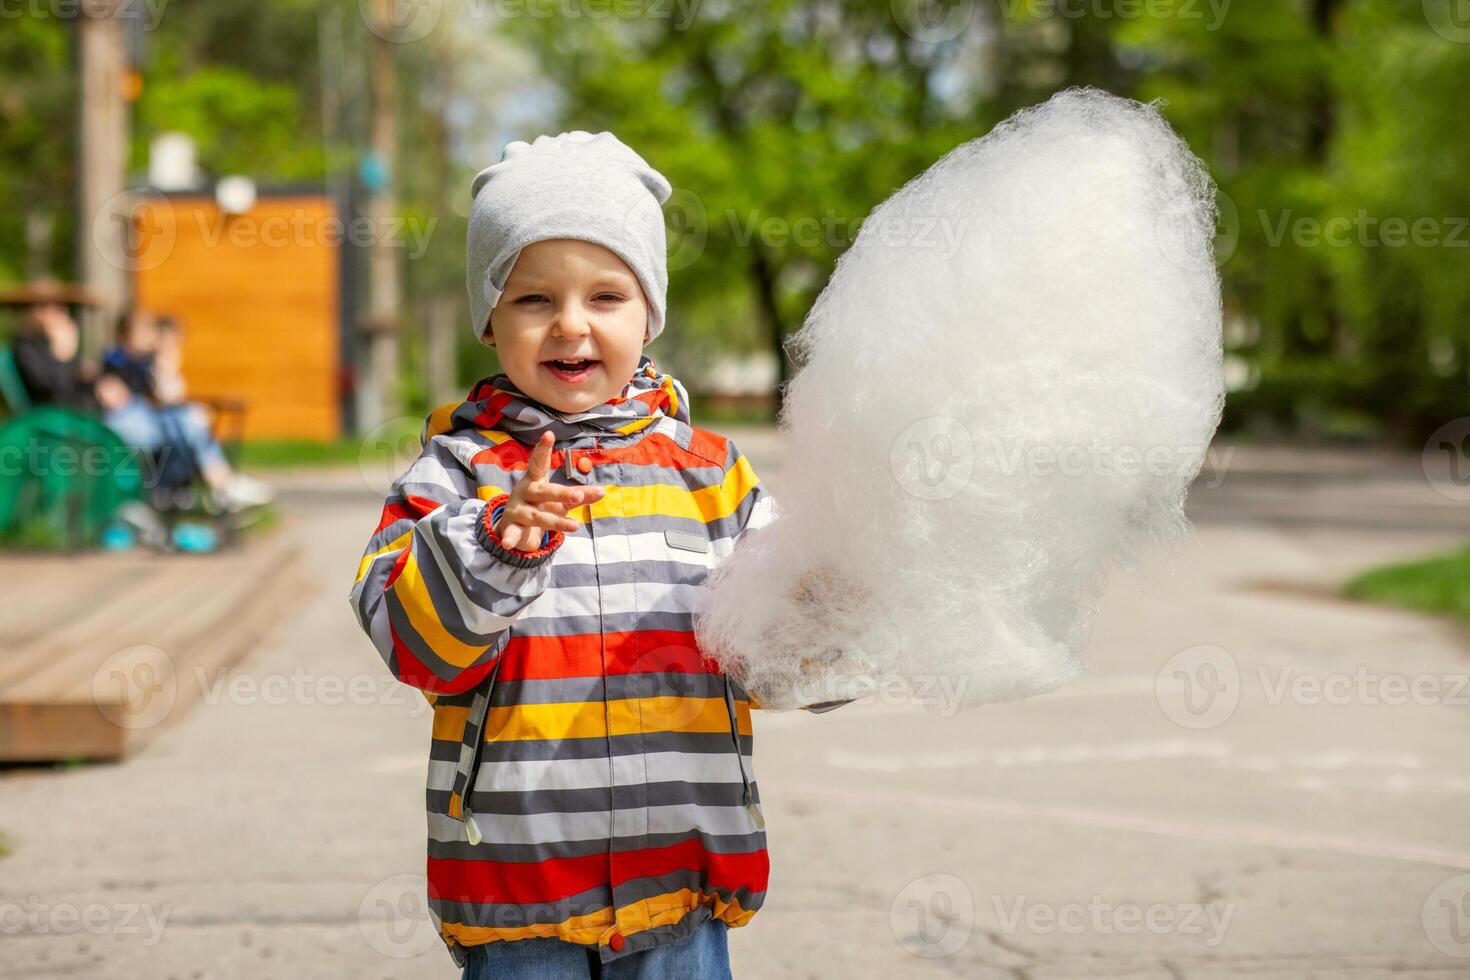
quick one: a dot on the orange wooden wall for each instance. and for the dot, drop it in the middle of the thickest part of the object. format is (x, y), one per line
(257, 294)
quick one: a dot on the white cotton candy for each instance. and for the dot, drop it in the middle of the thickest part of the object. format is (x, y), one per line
(1006, 387)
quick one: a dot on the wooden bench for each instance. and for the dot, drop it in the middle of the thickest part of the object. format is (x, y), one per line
(99, 652)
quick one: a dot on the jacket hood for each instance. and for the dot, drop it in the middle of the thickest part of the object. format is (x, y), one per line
(497, 403)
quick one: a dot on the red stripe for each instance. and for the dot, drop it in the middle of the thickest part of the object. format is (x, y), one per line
(528, 883)
(520, 883)
(656, 449)
(731, 871)
(596, 654)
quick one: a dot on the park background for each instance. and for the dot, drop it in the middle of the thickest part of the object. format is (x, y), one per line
(1334, 129)
(1323, 816)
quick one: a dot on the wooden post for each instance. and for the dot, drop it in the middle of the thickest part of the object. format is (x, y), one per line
(377, 392)
(103, 240)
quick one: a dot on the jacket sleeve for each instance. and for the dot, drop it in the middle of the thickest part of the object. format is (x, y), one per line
(436, 590)
(754, 504)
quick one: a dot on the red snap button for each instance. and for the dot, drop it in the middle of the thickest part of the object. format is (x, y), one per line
(616, 941)
(584, 465)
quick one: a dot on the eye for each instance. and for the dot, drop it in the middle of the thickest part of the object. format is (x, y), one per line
(609, 297)
(531, 298)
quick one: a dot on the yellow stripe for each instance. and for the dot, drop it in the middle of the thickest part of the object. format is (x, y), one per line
(419, 607)
(449, 722)
(661, 499)
(394, 545)
(438, 423)
(661, 910)
(593, 719)
(585, 930)
(595, 928)
(495, 436)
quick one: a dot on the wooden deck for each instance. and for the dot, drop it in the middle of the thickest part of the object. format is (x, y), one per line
(100, 651)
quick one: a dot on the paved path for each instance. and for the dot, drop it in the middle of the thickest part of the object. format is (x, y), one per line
(1314, 829)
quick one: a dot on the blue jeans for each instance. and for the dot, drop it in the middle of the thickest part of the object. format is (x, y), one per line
(181, 428)
(704, 955)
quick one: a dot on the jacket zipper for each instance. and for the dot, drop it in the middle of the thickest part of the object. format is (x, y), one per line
(748, 797)
(471, 830)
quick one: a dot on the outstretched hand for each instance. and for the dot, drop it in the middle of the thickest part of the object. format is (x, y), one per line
(536, 504)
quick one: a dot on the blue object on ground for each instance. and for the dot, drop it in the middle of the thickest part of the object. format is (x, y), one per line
(118, 536)
(195, 537)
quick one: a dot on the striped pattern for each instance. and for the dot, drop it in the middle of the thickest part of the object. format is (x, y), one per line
(590, 776)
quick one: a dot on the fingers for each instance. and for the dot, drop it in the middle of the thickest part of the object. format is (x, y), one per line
(540, 463)
(567, 496)
(539, 518)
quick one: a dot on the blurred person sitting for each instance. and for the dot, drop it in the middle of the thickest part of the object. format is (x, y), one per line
(45, 351)
(152, 422)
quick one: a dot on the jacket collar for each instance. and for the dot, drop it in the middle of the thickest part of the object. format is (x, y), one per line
(497, 403)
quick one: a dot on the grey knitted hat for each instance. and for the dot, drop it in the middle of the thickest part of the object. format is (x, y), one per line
(574, 185)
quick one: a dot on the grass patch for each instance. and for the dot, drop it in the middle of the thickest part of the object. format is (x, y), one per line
(1438, 584)
(5, 846)
(397, 437)
(298, 452)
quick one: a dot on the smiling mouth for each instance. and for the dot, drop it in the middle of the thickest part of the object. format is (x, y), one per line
(571, 370)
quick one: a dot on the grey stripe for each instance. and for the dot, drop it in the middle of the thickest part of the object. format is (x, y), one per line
(423, 652)
(576, 690)
(625, 472)
(598, 800)
(599, 746)
(593, 825)
(622, 622)
(575, 574)
(489, 850)
(656, 767)
(595, 747)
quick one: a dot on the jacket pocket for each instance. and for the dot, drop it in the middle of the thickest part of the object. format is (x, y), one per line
(470, 749)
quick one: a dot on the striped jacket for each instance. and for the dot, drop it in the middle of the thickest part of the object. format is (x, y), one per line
(589, 775)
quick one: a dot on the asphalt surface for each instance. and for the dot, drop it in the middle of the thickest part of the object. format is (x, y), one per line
(1255, 779)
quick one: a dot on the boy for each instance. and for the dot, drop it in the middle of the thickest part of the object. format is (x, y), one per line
(592, 806)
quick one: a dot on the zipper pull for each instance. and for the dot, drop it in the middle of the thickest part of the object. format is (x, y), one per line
(753, 810)
(471, 829)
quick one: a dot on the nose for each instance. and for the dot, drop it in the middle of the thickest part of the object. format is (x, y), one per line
(570, 321)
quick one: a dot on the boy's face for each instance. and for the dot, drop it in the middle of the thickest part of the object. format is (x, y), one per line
(142, 334)
(571, 301)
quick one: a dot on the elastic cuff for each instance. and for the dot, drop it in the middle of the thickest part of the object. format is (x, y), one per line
(485, 532)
